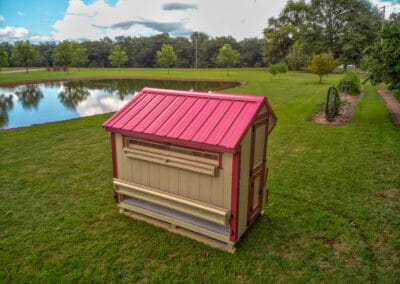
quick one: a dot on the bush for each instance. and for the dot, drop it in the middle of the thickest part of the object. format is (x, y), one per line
(277, 68)
(355, 85)
(322, 64)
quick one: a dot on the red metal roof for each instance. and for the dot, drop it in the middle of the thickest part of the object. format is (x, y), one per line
(200, 120)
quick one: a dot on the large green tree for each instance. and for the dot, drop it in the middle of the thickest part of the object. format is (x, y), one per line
(70, 53)
(251, 52)
(45, 52)
(296, 58)
(3, 59)
(166, 56)
(282, 32)
(118, 56)
(24, 54)
(345, 27)
(384, 56)
(98, 52)
(228, 57)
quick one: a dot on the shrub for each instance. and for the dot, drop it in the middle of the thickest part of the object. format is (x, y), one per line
(277, 68)
(322, 64)
(355, 85)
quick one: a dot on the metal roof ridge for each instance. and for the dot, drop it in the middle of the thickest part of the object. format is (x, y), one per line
(212, 95)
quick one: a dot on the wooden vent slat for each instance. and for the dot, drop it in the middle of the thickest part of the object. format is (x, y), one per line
(191, 207)
(175, 160)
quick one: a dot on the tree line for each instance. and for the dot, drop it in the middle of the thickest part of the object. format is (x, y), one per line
(199, 50)
(343, 27)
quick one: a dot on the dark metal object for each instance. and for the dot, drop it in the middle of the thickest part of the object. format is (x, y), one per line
(344, 88)
(332, 103)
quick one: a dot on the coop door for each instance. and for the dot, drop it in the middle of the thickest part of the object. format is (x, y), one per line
(257, 170)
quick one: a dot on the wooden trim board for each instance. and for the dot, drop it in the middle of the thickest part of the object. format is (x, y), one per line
(192, 207)
(221, 245)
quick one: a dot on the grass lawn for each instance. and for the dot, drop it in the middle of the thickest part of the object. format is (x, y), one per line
(333, 213)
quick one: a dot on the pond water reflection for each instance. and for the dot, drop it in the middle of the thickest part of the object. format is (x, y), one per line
(39, 103)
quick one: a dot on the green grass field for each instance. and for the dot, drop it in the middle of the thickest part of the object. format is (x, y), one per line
(333, 213)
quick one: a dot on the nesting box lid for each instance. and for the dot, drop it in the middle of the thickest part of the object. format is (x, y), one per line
(209, 121)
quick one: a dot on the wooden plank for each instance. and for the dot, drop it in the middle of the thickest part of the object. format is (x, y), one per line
(163, 178)
(183, 187)
(194, 185)
(179, 223)
(173, 181)
(221, 245)
(172, 162)
(216, 188)
(169, 153)
(154, 176)
(145, 173)
(205, 188)
(189, 206)
(227, 176)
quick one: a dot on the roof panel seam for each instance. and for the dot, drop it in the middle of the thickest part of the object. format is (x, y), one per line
(189, 107)
(193, 118)
(230, 125)
(205, 121)
(216, 124)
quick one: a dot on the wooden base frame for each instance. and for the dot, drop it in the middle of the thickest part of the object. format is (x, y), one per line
(174, 228)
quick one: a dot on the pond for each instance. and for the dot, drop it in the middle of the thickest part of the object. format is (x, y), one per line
(26, 105)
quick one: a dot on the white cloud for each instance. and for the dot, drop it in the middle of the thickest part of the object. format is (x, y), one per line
(13, 33)
(244, 18)
(2, 19)
(390, 6)
(20, 14)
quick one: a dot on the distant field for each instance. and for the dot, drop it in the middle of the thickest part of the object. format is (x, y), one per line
(333, 213)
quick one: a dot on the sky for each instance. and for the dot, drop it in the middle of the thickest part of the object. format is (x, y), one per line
(57, 20)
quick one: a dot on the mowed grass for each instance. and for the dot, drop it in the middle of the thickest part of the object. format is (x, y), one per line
(333, 213)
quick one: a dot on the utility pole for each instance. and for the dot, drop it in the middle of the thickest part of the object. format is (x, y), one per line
(196, 53)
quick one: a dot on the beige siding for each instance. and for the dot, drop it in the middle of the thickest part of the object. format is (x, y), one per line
(215, 190)
(244, 182)
(262, 110)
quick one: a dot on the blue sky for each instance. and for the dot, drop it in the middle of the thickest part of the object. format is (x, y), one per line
(47, 20)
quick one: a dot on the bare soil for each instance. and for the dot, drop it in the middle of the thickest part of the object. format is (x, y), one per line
(348, 104)
(393, 106)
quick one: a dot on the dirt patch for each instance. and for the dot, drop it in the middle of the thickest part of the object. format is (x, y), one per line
(393, 106)
(347, 107)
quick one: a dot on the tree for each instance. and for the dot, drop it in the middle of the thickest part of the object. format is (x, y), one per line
(322, 64)
(118, 57)
(98, 52)
(166, 56)
(228, 57)
(45, 52)
(80, 57)
(345, 27)
(23, 54)
(3, 59)
(284, 31)
(278, 68)
(69, 53)
(384, 56)
(296, 57)
(251, 52)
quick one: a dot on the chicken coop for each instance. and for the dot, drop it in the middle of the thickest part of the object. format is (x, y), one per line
(194, 163)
